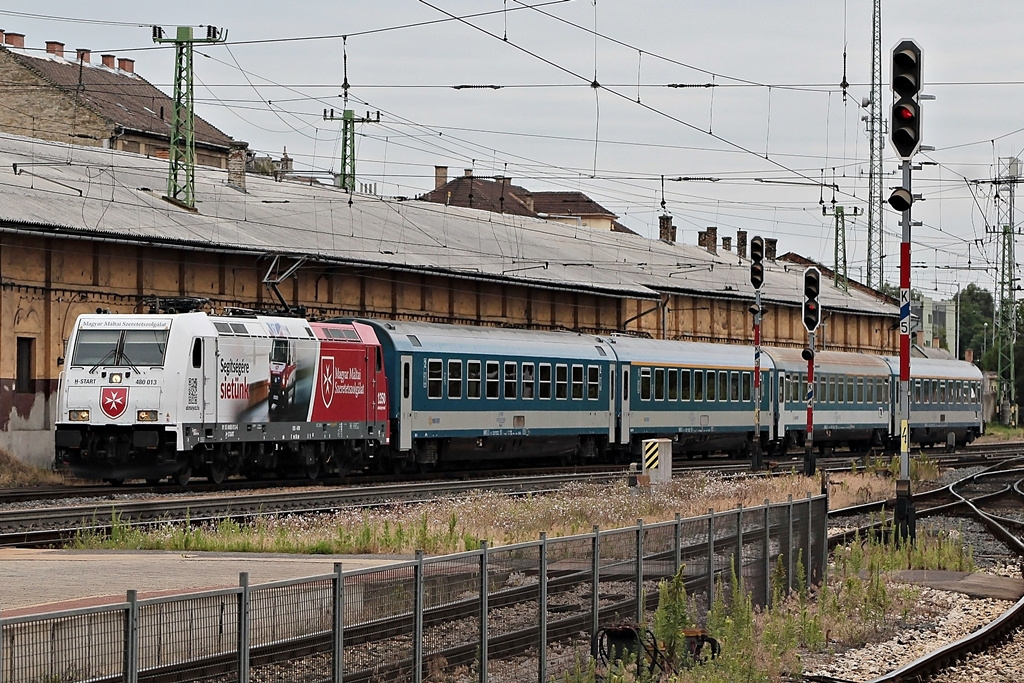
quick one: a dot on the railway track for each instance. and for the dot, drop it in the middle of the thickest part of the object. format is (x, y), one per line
(11, 495)
(995, 498)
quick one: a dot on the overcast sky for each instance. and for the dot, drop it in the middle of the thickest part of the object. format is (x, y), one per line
(776, 112)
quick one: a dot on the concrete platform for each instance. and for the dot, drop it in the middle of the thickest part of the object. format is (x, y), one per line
(34, 581)
(974, 585)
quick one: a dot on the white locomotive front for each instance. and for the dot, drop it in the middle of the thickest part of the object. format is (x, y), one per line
(116, 412)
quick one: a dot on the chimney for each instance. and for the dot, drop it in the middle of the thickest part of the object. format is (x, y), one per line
(15, 39)
(741, 243)
(82, 55)
(936, 342)
(286, 161)
(126, 65)
(666, 231)
(469, 173)
(727, 243)
(108, 61)
(1, 36)
(969, 355)
(711, 240)
(771, 246)
(236, 164)
(701, 238)
(440, 176)
(54, 48)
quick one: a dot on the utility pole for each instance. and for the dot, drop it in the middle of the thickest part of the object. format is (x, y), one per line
(907, 72)
(757, 279)
(347, 178)
(1006, 323)
(876, 143)
(182, 151)
(811, 319)
(841, 281)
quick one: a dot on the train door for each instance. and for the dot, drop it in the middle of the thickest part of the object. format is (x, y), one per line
(778, 404)
(201, 382)
(405, 405)
(624, 434)
(611, 404)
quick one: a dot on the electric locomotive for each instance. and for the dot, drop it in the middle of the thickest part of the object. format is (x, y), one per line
(154, 396)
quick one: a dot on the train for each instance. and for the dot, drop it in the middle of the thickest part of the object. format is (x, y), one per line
(176, 395)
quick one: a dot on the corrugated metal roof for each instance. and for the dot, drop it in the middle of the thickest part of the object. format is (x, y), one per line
(83, 191)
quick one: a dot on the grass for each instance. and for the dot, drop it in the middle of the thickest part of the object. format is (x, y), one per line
(14, 473)
(996, 433)
(454, 525)
(859, 603)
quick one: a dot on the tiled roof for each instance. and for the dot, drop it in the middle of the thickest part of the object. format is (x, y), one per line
(487, 194)
(568, 203)
(124, 99)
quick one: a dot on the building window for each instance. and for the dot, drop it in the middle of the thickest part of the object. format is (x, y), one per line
(25, 380)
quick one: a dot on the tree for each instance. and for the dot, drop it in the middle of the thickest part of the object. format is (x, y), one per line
(976, 309)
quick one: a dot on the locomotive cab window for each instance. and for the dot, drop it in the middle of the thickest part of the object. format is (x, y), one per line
(197, 353)
(120, 347)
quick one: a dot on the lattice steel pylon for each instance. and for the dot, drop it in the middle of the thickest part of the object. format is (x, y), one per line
(182, 151)
(876, 143)
(839, 274)
(1006, 321)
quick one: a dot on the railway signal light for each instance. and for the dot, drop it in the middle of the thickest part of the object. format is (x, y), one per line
(905, 124)
(757, 262)
(812, 309)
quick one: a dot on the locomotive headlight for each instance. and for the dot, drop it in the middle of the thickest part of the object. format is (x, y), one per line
(115, 378)
(148, 416)
(78, 415)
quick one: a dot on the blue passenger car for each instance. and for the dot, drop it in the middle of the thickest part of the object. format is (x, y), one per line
(945, 401)
(486, 393)
(699, 395)
(851, 399)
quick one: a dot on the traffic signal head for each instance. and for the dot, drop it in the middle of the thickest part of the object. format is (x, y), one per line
(812, 309)
(757, 262)
(905, 124)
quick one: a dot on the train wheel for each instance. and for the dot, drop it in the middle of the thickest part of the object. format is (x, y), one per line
(310, 463)
(182, 476)
(218, 470)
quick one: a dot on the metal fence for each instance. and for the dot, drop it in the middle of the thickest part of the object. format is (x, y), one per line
(514, 613)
